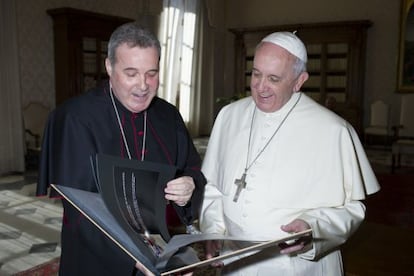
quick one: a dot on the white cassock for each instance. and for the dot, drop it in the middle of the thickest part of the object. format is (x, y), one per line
(314, 169)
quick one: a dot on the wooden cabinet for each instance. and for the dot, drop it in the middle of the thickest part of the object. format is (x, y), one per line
(80, 39)
(336, 63)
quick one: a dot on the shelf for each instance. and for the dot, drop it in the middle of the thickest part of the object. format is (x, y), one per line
(80, 45)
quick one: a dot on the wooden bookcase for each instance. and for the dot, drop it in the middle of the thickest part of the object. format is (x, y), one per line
(80, 45)
(336, 63)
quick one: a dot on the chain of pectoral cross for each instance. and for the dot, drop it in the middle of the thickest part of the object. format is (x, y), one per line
(241, 182)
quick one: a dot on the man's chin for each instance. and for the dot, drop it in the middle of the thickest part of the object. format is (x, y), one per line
(138, 107)
(266, 106)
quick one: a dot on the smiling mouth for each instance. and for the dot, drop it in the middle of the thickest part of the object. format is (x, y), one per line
(139, 95)
(265, 96)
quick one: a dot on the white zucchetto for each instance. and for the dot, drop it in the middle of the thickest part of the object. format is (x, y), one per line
(290, 42)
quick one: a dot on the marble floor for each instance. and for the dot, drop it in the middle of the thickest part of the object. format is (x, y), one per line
(29, 226)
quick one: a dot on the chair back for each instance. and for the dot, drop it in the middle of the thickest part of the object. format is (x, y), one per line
(379, 114)
(34, 116)
(407, 116)
(379, 121)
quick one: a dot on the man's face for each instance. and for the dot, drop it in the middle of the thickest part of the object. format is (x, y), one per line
(273, 80)
(134, 76)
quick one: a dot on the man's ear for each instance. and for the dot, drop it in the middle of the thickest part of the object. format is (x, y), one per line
(300, 81)
(108, 67)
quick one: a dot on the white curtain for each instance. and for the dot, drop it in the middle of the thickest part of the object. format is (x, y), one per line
(181, 36)
(11, 123)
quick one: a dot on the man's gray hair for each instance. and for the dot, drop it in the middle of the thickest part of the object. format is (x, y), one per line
(299, 66)
(133, 35)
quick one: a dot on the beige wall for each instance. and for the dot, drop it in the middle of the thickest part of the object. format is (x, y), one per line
(382, 40)
(35, 38)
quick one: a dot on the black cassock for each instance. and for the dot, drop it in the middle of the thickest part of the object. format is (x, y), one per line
(86, 125)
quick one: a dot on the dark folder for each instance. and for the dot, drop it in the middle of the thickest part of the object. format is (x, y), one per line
(130, 201)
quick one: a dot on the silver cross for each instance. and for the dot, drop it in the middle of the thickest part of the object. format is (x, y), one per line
(241, 184)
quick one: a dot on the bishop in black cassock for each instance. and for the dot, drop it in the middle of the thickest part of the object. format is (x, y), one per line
(86, 125)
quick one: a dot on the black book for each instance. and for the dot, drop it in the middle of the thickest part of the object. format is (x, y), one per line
(130, 210)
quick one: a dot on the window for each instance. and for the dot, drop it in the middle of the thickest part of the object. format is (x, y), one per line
(177, 37)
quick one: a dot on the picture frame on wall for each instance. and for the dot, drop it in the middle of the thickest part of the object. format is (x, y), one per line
(405, 79)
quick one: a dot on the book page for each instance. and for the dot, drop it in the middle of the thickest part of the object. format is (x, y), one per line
(92, 207)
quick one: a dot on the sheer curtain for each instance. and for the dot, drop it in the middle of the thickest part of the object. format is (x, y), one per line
(11, 123)
(181, 40)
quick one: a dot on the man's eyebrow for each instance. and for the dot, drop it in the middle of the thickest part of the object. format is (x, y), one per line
(135, 70)
(130, 69)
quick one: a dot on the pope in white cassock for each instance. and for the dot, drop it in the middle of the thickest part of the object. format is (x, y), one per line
(278, 162)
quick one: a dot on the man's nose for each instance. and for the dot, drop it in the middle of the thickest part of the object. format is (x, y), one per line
(142, 83)
(260, 84)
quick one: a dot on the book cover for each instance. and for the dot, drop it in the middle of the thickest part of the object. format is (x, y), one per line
(130, 210)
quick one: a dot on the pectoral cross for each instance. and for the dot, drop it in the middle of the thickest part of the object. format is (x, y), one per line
(241, 184)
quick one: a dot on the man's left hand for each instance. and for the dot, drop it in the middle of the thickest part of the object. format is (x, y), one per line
(180, 190)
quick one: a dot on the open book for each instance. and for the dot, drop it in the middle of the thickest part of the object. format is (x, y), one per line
(139, 228)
